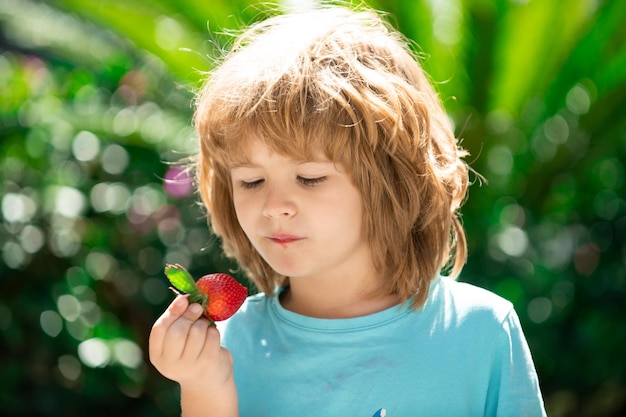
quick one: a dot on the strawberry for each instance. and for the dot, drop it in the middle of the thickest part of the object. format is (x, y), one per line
(220, 295)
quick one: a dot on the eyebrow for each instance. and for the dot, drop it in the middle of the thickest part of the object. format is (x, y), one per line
(250, 164)
(242, 165)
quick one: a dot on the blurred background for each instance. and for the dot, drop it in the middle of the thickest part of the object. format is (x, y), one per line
(95, 115)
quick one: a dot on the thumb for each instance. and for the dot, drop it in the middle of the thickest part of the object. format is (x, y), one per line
(173, 312)
(178, 306)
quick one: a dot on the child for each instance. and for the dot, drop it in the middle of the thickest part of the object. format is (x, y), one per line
(329, 169)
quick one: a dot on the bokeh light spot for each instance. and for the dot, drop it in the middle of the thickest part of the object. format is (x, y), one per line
(556, 130)
(557, 247)
(154, 129)
(76, 277)
(36, 143)
(168, 33)
(171, 231)
(70, 173)
(18, 208)
(86, 146)
(500, 160)
(69, 201)
(539, 309)
(111, 197)
(447, 21)
(69, 307)
(127, 353)
(199, 240)
(609, 173)
(146, 200)
(88, 100)
(578, 100)
(79, 330)
(513, 241)
(498, 121)
(94, 353)
(125, 122)
(69, 367)
(513, 214)
(51, 323)
(13, 255)
(32, 239)
(115, 159)
(90, 312)
(64, 241)
(12, 169)
(100, 265)
(542, 148)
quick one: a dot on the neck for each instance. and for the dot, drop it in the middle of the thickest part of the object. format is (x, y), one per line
(335, 298)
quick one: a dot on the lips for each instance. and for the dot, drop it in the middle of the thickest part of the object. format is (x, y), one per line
(284, 239)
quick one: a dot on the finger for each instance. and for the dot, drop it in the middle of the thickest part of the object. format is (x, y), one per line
(193, 312)
(177, 336)
(212, 343)
(160, 328)
(175, 309)
(196, 339)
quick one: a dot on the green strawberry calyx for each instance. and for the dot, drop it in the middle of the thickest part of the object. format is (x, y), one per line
(183, 283)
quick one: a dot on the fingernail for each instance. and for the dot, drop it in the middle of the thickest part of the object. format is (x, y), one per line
(179, 304)
(195, 308)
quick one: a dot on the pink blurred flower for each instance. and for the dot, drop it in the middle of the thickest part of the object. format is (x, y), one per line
(178, 182)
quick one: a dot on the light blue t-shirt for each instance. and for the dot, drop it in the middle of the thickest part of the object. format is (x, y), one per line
(462, 354)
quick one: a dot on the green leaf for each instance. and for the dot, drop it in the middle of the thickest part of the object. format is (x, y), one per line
(180, 278)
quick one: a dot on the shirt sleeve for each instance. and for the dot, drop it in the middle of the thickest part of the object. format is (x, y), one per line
(514, 387)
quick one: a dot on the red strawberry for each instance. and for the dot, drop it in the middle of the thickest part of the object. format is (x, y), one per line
(225, 294)
(219, 294)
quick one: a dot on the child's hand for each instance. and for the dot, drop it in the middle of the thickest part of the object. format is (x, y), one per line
(186, 348)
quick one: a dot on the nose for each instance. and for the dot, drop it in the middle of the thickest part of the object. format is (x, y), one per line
(279, 202)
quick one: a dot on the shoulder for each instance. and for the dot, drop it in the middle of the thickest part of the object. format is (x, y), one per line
(462, 301)
(491, 334)
(478, 319)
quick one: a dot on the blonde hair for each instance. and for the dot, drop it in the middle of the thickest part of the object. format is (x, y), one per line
(346, 83)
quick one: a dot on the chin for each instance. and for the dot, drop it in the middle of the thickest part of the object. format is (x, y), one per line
(288, 270)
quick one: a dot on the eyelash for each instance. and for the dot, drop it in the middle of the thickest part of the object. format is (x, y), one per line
(307, 182)
(251, 184)
(310, 182)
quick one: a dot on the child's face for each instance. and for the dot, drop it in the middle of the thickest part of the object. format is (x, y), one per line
(305, 218)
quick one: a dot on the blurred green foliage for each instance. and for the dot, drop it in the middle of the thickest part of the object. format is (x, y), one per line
(95, 111)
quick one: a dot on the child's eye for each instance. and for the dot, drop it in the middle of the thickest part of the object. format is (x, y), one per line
(248, 185)
(309, 182)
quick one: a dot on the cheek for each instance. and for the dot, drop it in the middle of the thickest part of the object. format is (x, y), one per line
(346, 211)
(357, 214)
(242, 211)
(247, 213)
